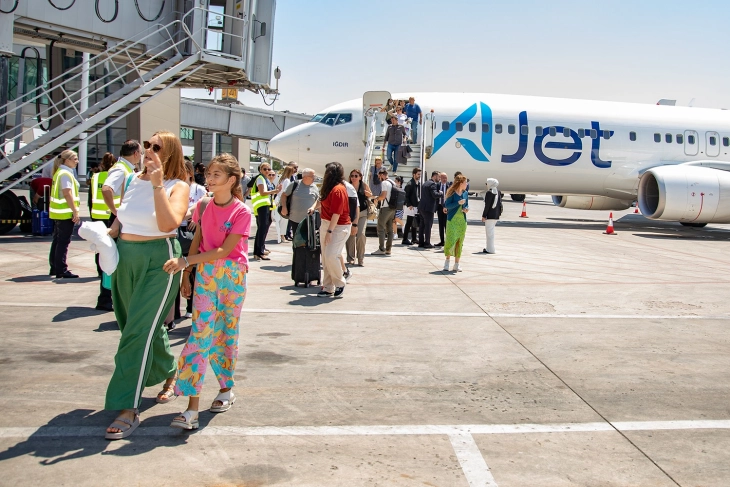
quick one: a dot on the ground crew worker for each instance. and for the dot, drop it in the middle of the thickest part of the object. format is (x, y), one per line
(101, 212)
(111, 189)
(261, 202)
(64, 211)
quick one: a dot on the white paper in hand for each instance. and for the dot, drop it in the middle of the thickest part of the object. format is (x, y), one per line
(101, 243)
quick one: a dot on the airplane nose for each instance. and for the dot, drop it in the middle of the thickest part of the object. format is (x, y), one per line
(285, 146)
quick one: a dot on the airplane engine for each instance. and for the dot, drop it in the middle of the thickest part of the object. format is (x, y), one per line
(590, 203)
(687, 194)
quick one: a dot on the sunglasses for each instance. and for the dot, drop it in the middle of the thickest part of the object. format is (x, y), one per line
(155, 147)
(354, 175)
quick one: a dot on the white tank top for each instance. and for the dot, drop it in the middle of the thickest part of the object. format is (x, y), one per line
(137, 210)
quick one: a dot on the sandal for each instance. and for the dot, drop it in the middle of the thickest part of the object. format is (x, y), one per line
(167, 394)
(127, 427)
(226, 399)
(190, 421)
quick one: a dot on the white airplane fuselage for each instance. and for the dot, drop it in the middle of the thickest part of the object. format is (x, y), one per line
(533, 144)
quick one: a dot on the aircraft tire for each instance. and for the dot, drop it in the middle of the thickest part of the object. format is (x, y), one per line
(517, 197)
(10, 209)
(693, 225)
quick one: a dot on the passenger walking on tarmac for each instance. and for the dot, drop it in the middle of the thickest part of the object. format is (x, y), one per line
(374, 179)
(430, 196)
(413, 196)
(394, 136)
(398, 217)
(492, 212)
(128, 162)
(356, 243)
(457, 205)
(101, 212)
(64, 211)
(219, 251)
(153, 205)
(386, 215)
(283, 223)
(413, 111)
(335, 227)
(303, 195)
(261, 201)
(441, 211)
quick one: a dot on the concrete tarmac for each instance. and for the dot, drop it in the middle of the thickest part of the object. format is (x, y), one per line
(568, 358)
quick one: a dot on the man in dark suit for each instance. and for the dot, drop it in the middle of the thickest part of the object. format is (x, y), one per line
(413, 196)
(430, 196)
(442, 185)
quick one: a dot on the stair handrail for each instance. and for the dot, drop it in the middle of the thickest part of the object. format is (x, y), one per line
(369, 148)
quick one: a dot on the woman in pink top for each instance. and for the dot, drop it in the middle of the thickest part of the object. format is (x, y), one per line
(220, 250)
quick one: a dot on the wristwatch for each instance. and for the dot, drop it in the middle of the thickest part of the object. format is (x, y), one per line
(354, 225)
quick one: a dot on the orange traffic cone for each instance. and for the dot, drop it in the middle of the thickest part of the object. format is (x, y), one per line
(524, 210)
(609, 228)
(636, 210)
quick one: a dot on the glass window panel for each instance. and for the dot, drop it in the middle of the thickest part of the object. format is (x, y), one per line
(511, 129)
(498, 128)
(524, 130)
(472, 127)
(657, 137)
(691, 139)
(668, 138)
(459, 126)
(485, 127)
(680, 139)
(632, 136)
(553, 131)
(444, 125)
(713, 141)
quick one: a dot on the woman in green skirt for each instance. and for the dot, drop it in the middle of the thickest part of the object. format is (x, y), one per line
(457, 206)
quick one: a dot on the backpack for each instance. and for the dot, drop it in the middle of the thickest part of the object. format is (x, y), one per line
(397, 197)
(288, 200)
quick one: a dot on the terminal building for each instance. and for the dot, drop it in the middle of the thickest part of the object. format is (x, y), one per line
(88, 75)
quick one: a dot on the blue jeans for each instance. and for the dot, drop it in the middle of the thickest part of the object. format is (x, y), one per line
(414, 130)
(392, 153)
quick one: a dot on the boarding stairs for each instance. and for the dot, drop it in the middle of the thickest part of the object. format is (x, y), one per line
(80, 112)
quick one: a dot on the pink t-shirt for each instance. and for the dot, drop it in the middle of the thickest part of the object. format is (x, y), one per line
(218, 222)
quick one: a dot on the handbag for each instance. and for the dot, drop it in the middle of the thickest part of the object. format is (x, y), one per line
(185, 237)
(372, 210)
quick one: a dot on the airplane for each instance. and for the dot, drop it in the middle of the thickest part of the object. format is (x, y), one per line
(674, 161)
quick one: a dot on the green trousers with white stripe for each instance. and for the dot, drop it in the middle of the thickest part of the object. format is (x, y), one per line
(142, 294)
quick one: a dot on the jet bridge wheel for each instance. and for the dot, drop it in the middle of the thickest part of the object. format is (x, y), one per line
(693, 225)
(10, 211)
(517, 197)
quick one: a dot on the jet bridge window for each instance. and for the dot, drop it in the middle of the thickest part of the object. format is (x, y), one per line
(498, 128)
(680, 139)
(668, 138)
(472, 127)
(343, 118)
(485, 127)
(632, 136)
(726, 141)
(511, 129)
(657, 138)
(691, 139)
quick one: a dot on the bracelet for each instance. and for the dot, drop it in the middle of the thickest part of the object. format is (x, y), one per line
(187, 264)
(157, 187)
(354, 225)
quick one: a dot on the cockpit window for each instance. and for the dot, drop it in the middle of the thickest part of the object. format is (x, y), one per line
(329, 119)
(317, 117)
(344, 118)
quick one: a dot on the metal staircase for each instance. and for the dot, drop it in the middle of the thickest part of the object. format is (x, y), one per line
(143, 72)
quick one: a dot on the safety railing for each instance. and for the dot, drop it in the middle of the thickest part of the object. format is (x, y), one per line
(426, 142)
(369, 148)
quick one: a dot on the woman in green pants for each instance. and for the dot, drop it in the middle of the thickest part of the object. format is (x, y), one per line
(154, 203)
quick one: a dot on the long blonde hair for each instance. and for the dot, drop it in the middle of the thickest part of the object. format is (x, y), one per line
(288, 171)
(61, 158)
(171, 156)
(458, 180)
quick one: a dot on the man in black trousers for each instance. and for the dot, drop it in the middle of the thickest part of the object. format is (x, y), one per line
(413, 196)
(429, 198)
(442, 185)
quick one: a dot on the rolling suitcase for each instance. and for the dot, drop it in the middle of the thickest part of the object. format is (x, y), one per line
(42, 225)
(305, 266)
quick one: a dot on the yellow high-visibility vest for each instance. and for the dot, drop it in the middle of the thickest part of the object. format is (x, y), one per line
(99, 209)
(58, 207)
(124, 168)
(259, 200)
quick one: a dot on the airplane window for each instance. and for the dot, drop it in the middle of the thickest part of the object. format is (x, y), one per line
(538, 130)
(691, 139)
(657, 137)
(317, 117)
(472, 127)
(329, 119)
(632, 136)
(668, 138)
(606, 134)
(459, 126)
(485, 127)
(553, 131)
(344, 118)
(594, 134)
(566, 132)
(726, 141)
(498, 128)
(581, 133)
(680, 139)
(444, 125)
(525, 130)
(713, 141)
(511, 129)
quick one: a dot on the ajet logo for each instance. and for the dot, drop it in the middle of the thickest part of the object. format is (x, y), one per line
(574, 142)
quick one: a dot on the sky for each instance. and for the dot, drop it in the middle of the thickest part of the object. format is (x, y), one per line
(617, 50)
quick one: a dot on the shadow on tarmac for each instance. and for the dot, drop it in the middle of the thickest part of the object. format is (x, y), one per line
(107, 326)
(73, 312)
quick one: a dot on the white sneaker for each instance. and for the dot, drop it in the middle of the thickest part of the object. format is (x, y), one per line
(457, 268)
(188, 315)
(446, 265)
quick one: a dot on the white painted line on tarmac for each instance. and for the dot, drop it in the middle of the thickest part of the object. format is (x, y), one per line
(375, 430)
(472, 461)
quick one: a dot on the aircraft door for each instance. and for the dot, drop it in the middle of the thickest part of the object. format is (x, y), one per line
(691, 143)
(373, 103)
(712, 144)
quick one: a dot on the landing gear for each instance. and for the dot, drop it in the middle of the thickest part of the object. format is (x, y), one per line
(517, 197)
(693, 225)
